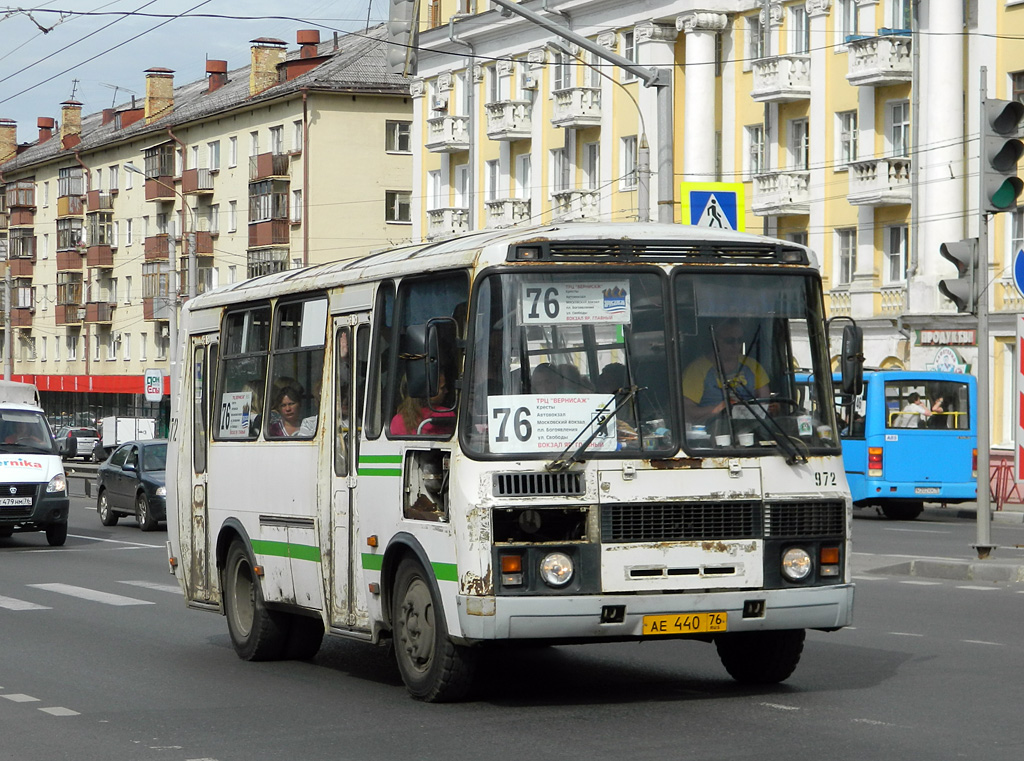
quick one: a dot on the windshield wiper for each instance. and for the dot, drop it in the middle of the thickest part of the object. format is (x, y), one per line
(771, 427)
(562, 462)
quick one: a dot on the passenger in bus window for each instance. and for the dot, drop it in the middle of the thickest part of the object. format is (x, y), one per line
(290, 422)
(915, 412)
(416, 418)
(703, 394)
(545, 379)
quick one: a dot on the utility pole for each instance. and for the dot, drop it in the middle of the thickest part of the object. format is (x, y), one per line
(8, 342)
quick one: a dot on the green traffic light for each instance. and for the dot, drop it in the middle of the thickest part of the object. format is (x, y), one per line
(1006, 195)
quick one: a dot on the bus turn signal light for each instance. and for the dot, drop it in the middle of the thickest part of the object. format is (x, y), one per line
(512, 570)
(829, 561)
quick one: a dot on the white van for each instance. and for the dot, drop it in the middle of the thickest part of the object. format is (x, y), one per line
(33, 487)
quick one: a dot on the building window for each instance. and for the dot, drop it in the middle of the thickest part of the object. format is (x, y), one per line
(591, 165)
(846, 20)
(629, 52)
(398, 137)
(232, 151)
(847, 143)
(142, 346)
(126, 346)
(559, 170)
(127, 289)
(101, 228)
(1016, 233)
(268, 200)
(213, 155)
(493, 84)
(562, 72)
(1017, 85)
(128, 175)
(297, 133)
(799, 145)
(627, 163)
(296, 206)
(114, 175)
(159, 161)
(397, 206)
(69, 233)
(254, 144)
(901, 10)
(213, 219)
(128, 232)
(277, 140)
(846, 255)
(524, 170)
(755, 152)
(266, 261)
(493, 172)
(899, 128)
(434, 190)
(115, 235)
(896, 239)
(800, 31)
(755, 39)
(70, 182)
(232, 216)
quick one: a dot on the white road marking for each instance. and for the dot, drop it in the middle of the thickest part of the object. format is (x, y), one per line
(118, 541)
(917, 530)
(905, 634)
(93, 595)
(781, 707)
(154, 585)
(982, 642)
(873, 722)
(922, 583)
(979, 589)
(59, 711)
(17, 697)
(11, 604)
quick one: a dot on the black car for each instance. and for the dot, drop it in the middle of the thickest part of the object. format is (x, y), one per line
(131, 482)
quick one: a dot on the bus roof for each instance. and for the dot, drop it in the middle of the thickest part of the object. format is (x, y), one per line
(655, 241)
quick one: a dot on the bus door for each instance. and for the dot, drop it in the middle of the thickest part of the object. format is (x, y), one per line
(351, 341)
(192, 481)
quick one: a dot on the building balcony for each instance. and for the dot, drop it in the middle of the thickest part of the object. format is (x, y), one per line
(4, 220)
(22, 266)
(509, 120)
(99, 256)
(879, 182)
(781, 194)
(69, 261)
(21, 317)
(782, 79)
(204, 242)
(577, 107)
(22, 217)
(891, 299)
(447, 134)
(157, 247)
(879, 61)
(70, 206)
(69, 314)
(157, 308)
(99, 201)
(575, 204)
(444, 223)
(274, 232)
(101, 312)
(507, 212)
(839, 302)
(160, 188)
(197, 181)
(267, 165)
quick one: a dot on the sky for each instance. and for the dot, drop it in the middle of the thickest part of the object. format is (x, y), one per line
(98, 50)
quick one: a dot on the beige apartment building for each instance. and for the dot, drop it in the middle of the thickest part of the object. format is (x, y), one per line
(848, 125)
(296, 158)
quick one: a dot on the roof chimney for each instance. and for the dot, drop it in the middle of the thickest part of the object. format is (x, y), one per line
(159, 93)
(70, 123)
(267, 53)
(8, 139)
(45, 125)
(108, 116)
(309, 40)
(217, 74)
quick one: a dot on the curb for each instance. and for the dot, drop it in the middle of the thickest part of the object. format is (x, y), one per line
(955, 570)
(1013, 517)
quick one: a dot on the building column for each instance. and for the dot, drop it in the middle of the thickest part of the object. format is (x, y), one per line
(420, 189)
(699, 152)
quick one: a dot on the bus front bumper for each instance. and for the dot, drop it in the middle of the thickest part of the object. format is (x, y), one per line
(580, 617)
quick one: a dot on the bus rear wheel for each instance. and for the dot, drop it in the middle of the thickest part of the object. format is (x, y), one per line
(902, 511)
(761, 657)
(433, 667)
(257, 633)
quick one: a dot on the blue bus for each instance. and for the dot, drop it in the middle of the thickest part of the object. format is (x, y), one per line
(909, 438)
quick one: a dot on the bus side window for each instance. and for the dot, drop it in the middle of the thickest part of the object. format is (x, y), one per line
(245, 343)
(297, 369)
(383, 319)
(342, 400)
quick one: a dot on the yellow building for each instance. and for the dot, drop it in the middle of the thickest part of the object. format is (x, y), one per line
(297, 157)
(851, 126)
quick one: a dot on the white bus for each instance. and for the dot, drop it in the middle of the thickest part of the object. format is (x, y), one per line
(495, 438)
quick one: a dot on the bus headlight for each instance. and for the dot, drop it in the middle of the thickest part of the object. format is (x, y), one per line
(57, 484)
(796, 564)
(556, 569)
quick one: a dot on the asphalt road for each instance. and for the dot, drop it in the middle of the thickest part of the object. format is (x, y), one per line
(102, 660)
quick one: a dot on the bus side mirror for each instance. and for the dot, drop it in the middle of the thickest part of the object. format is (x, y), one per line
(851, 361)
(441, 342)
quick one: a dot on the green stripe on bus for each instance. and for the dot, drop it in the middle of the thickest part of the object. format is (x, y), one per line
(391, 472)
(442, 571)
(286, 550)
(370, 458)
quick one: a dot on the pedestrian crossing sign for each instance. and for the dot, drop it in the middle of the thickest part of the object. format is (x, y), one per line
(713, 204)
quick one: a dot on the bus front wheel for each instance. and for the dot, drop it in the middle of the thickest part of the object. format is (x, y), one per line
(257, 634)
(433, 668)
(766, 657)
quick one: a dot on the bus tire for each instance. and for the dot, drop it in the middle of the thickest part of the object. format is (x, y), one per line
(902, 511)
(766, 657)
(57, 534)
(305, 636)
(434, 668)
(257, 633)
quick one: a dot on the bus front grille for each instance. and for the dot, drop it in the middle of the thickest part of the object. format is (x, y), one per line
(674, 521)
(804, 519)
(538, 484)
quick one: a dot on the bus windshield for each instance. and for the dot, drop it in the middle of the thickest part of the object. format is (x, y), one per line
(584, 362)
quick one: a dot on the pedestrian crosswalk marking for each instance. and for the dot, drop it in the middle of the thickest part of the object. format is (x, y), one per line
(93, 595)
(12, 604)
(154, 585)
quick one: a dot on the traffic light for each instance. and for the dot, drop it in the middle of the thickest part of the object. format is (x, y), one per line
(1000, 151)
(403, 19)
(962, 291)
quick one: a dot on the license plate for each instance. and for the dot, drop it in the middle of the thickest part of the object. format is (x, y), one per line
(927, 490)
(685, 623)
(15, 501)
